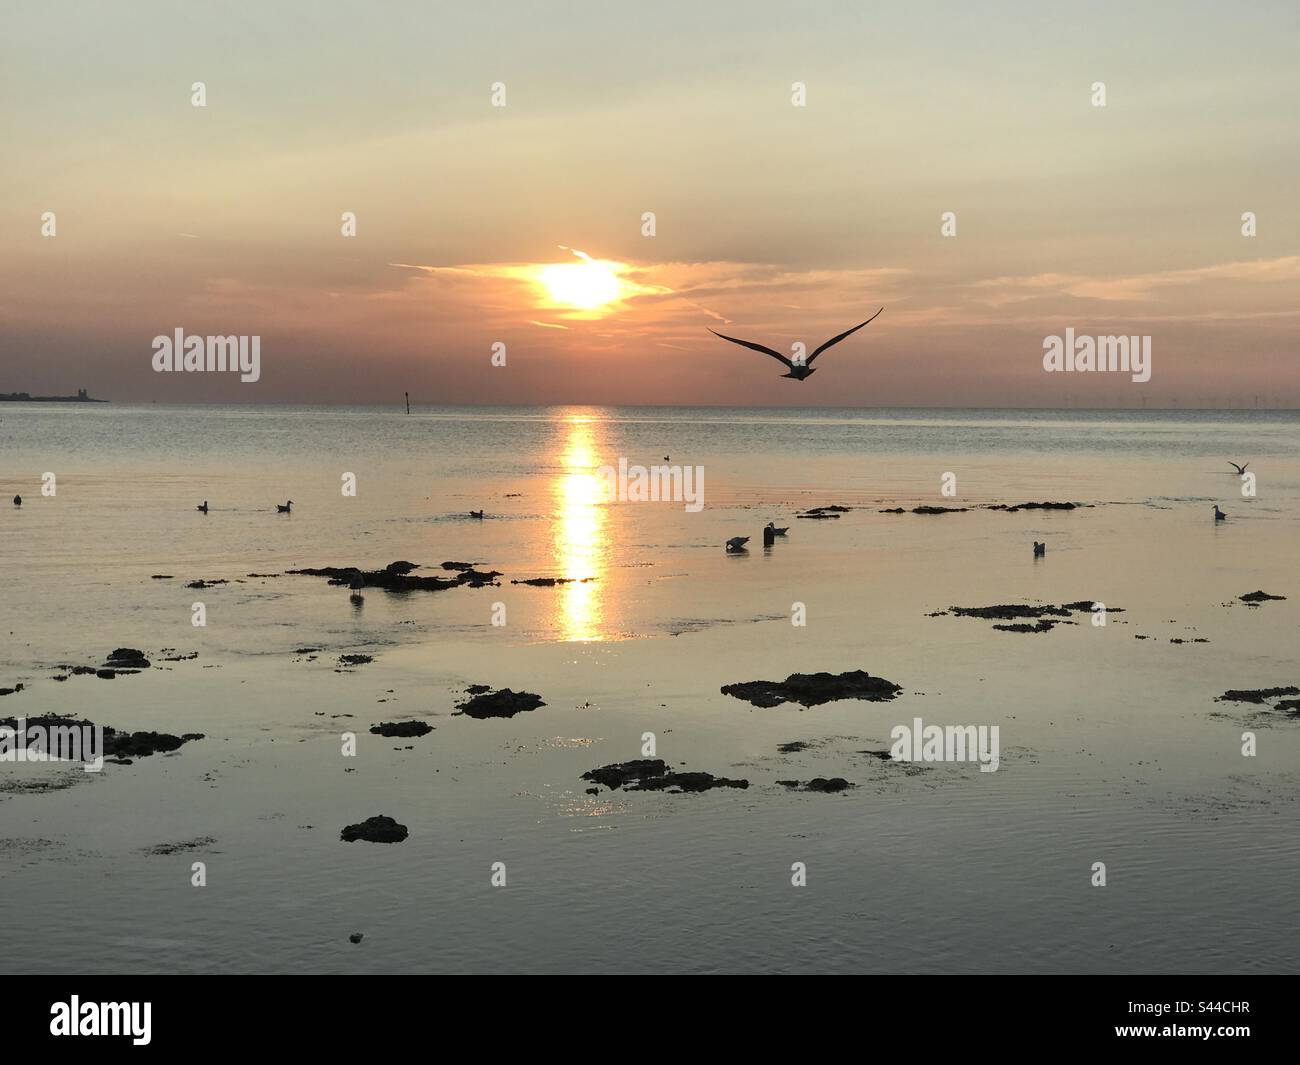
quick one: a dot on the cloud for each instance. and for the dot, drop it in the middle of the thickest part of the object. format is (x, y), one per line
(1002, 291)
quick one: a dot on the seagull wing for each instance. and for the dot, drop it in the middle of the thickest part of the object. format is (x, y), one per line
(755, 347)
(836, 340)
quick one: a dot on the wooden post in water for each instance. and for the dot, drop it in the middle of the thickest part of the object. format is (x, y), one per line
(408, 401)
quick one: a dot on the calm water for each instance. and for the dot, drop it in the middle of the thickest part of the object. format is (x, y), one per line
(1113, 748)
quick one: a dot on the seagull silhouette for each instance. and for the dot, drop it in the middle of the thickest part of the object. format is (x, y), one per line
(802, 369)
(1240, 469)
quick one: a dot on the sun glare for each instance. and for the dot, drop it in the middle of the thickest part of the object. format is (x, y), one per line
(586, 285)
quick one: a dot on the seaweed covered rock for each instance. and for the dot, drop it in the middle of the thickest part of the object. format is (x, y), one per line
(503, 703)
(653, 774)
(379, 829)
(813, 689)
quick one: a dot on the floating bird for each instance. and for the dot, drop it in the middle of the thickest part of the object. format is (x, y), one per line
(802, 369)
(1240, 469)
(476, 514)
(203, 508)
(775, 531)
(665, 458)
(18, 501)
(737, 543)
(285, 508)
(1218, 514)
(1040, 550)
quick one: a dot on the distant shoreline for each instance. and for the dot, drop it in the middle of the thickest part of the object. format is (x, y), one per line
(23, 397)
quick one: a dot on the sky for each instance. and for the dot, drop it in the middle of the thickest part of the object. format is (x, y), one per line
(773, 222)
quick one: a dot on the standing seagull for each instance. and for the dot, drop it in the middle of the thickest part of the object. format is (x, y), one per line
(1240, 469)
(802, 369)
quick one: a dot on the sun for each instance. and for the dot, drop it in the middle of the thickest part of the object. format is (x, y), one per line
(586, 285)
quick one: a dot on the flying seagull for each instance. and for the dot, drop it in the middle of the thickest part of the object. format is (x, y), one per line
(803, 368)
(1240, 469)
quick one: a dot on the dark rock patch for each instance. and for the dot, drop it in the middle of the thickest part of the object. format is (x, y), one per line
(401, 729)
(1257, 695)
(551, 582)
(143, 744)
(1258, 597)
(503, 703)
(205, 583)
(1023, 626)
(621, 773)
(355, 660)
(378, 829)
(653, 774)
(399, 580)
(794, 747)
(1012, 508)
(684, 782)
(116, 744)
(1044, 617)
(813, 689)
(1009, 611)
(163, 849)
(822, 784)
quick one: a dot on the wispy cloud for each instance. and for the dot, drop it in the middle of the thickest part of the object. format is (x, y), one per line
(1000, 291)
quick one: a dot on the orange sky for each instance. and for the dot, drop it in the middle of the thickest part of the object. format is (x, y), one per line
(774, 222)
